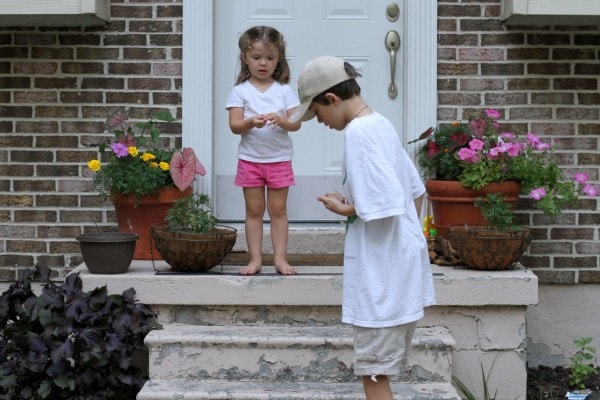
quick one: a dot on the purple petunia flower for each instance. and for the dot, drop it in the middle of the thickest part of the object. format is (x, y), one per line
(120, 150)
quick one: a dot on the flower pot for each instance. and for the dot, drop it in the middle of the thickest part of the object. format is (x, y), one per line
(453, 204)
(140, 218)
(107, 252)
(193, 252)
(488, 249)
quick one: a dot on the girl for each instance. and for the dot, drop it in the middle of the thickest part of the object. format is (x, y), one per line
(259, 107)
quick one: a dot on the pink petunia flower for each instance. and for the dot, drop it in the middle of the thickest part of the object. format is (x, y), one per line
(468, 155)
(590, 190)
(500, 149)
(491, 113)
(536, 143)
(580, 177)
(513, 149)
(476, 144)
(537, 193)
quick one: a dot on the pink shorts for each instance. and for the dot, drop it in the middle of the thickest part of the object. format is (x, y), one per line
(275, 175)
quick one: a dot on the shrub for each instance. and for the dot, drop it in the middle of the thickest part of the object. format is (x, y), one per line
(70, 344)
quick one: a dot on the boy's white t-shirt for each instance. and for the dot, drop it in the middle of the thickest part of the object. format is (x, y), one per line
(266, 144)
(387, 273)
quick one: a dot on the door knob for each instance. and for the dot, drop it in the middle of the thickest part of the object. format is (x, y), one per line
(392, 43)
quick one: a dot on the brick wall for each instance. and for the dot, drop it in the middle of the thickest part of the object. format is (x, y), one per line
(58, 85)
(543, 79)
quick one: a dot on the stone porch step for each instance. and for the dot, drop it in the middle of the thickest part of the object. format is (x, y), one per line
(281, 352)
(278, 390)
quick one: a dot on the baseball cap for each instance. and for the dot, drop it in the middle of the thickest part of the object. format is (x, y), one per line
(319, 74)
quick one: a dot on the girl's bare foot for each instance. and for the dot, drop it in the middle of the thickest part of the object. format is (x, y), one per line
(285, 269)
(250, 269)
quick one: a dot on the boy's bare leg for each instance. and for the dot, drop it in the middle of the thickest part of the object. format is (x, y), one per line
(255, 210)
(277, 206)
(379, 390)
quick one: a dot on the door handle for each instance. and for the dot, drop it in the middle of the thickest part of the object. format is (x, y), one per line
(392, 43)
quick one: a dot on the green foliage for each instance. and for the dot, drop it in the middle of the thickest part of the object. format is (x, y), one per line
(191, 214)
(497, 211)
(140, 166)
(581, 365)
(469, 395)
(70, 344)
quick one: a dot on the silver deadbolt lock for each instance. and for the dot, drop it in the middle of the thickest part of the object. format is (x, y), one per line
(392, 12)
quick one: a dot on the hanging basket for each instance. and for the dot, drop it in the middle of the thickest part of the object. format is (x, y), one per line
(193, 252)
(488, 249)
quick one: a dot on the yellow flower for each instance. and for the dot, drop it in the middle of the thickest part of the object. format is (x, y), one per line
(133, 151)
(148, 156)
(94, 165)
(164, 165)
(153, 164)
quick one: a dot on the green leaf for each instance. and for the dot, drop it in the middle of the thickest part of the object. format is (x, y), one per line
(65, 382)
(44, 390)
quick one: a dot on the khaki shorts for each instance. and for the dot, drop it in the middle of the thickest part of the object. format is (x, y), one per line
(382, 351)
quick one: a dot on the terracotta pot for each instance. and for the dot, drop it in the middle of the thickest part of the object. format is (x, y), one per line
(488, 249)
(139, 219)
(193, 252)
(453, 204)
(107, 252)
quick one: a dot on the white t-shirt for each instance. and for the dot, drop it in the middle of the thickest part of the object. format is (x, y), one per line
(387, 273)
(266, 144)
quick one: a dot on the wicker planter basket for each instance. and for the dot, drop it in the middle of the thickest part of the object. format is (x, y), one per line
(487, 249)
(193, 252)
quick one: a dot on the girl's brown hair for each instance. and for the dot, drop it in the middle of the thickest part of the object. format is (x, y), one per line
(267, 35)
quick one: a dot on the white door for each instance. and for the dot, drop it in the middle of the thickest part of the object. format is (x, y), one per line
(352, 29)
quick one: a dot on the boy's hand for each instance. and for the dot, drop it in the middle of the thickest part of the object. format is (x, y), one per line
(335, 202)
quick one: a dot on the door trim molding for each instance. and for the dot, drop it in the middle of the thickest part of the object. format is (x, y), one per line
(197, 86)
(419, 98)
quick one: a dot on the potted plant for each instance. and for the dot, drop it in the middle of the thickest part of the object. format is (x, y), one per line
(65, 343)
(140, 176)
(477, 158)
(191, 240)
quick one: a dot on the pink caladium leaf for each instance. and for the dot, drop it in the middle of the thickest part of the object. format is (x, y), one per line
(184, 166)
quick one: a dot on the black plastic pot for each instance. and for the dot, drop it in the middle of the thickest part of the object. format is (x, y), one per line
(107, 252)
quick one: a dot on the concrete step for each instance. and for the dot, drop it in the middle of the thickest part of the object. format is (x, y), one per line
(281, 352)
(285, 390)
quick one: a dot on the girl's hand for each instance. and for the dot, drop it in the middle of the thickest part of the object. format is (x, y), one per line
(258, 121)
(273, 119)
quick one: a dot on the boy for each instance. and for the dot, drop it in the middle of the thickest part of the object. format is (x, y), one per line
(387, 274)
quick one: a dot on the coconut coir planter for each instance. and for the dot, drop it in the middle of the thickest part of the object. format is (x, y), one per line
(488, 249)
(193, 252)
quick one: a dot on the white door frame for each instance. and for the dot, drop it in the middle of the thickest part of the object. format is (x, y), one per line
(419, 99)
